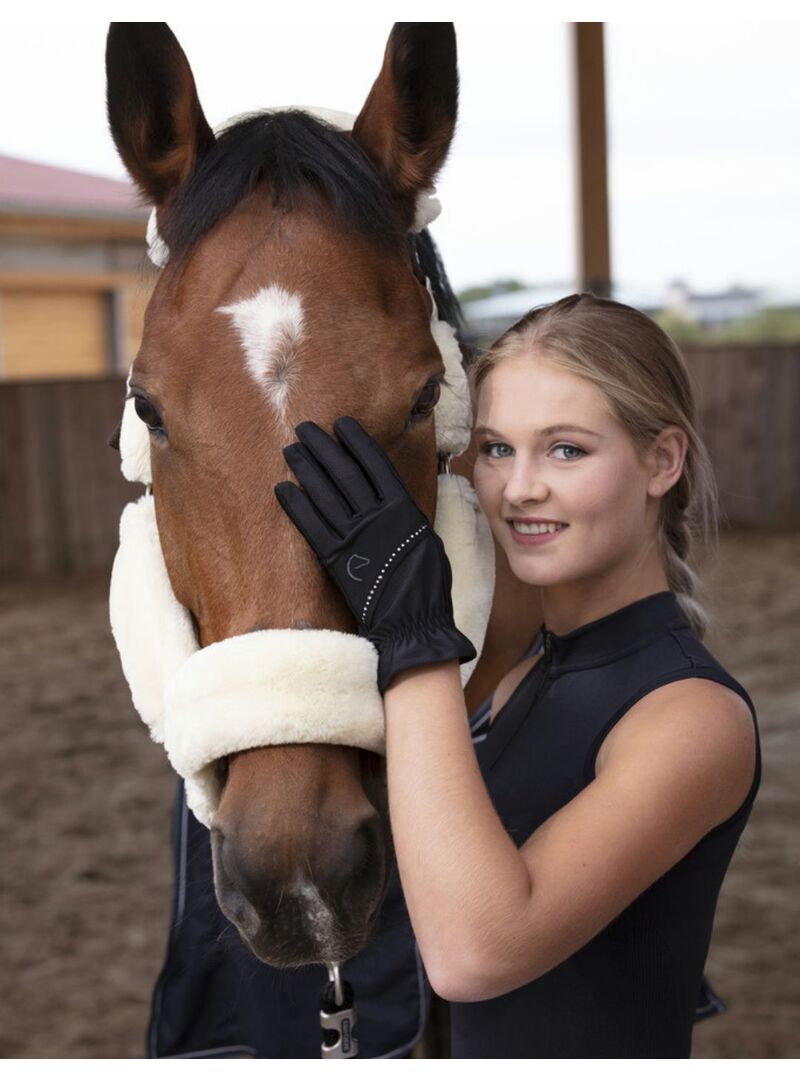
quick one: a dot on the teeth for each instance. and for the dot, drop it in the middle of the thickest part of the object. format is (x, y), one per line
(535, 530)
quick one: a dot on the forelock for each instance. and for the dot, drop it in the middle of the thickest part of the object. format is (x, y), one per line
(299, 157)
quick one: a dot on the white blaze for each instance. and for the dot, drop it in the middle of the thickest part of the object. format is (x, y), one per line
(270, 326)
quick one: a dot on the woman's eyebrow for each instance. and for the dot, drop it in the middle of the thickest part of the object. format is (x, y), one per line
(552, 430)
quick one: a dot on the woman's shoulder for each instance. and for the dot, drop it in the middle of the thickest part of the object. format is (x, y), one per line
(702, 731)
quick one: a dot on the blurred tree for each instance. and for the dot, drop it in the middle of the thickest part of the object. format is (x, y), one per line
(495, 288)
(684, 331)
(771, 325)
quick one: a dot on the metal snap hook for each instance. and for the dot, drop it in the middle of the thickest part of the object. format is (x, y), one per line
(337, 1017)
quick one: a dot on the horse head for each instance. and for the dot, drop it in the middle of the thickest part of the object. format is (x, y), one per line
(292, 290)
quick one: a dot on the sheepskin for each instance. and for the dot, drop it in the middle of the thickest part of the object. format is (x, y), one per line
(453, 413)
(469, 544)
(154, 633)
(269, 688)
(134, 443)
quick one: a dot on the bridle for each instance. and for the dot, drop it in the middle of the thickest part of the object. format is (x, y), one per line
(205, 704)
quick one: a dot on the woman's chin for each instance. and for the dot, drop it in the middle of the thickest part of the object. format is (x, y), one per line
(529, 574)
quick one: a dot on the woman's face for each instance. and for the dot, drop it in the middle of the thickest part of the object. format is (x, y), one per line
(563, 485)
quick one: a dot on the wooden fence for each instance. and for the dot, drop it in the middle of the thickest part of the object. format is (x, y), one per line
(61, 491)
(749, 398)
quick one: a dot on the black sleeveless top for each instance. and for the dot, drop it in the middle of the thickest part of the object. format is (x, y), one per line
(632, 990)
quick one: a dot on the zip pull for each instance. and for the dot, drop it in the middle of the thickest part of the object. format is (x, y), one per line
(548, 646)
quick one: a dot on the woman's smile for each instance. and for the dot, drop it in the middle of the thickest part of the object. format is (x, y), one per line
(531, 531)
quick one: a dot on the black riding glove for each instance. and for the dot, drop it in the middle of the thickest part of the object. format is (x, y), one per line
(377, 545)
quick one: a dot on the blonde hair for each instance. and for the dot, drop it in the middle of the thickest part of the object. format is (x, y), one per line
(642, 374)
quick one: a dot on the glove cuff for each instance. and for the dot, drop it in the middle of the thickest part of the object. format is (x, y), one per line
(424, 642)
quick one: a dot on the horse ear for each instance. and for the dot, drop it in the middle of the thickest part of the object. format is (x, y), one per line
(407, 122)
(153, 109)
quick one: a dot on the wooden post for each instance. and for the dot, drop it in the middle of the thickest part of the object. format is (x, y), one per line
(589, 143)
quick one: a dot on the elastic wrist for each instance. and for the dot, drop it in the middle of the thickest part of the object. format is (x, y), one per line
(431, 625)
(439, 645)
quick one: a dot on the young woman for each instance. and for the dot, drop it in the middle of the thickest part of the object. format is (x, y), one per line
(562, 877)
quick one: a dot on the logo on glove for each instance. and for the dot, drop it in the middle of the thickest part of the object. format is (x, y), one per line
(356, 562)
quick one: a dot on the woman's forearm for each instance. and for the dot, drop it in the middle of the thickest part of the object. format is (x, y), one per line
(465, 883)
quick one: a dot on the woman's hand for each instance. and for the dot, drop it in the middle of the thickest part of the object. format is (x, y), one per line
(376, 544)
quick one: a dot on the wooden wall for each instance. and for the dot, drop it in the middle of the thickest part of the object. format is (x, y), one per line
(65, 325)
(54, 334)
(61, 492)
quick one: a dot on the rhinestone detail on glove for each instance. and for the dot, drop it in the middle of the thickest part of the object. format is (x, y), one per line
(385, 567)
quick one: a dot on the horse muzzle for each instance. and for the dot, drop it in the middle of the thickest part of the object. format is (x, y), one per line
(317, 904)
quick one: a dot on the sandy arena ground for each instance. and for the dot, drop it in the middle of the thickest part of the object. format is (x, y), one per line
(86, 806)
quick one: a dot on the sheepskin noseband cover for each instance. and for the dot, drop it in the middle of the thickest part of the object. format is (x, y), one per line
(271, 686)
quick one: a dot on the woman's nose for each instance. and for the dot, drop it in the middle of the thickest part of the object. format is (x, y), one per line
(521, 489)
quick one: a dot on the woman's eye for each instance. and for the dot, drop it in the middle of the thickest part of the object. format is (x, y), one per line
(488, 449)
(147, 414)
(570, 452)
(426, 402)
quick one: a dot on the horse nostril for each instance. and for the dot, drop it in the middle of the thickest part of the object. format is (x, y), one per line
(360, 858)
(234, 872)
(342, 870)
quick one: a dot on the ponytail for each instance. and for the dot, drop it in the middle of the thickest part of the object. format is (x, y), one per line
(688, 518)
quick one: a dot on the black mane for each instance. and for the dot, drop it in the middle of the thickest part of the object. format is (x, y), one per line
(302, 157)
(447, 304)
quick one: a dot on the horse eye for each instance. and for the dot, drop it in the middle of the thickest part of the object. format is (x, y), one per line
(146, 413)
(426, 402)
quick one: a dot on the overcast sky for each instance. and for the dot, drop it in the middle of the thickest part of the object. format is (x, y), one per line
(704, 126)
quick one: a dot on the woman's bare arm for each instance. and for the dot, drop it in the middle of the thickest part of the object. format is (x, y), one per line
(489, 917)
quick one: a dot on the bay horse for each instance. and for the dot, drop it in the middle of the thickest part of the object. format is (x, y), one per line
(315, 222)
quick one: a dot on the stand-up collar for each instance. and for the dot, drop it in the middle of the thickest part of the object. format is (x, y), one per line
(623, 631)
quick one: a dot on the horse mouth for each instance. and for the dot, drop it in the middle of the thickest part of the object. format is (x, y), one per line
(296, 924)
(309, 942)
(308, 932)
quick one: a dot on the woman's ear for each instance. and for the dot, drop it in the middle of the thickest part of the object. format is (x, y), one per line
(666, 458)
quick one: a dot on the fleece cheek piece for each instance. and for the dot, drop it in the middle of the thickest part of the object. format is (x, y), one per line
(469, 544)
(134, 443)
(154, 634)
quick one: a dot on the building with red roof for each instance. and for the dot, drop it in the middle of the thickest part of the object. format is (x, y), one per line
(74, 276)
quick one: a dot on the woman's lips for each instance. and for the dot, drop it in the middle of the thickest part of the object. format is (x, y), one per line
(535, 538)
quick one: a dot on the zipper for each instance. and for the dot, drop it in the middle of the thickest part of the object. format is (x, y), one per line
(548, 647)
